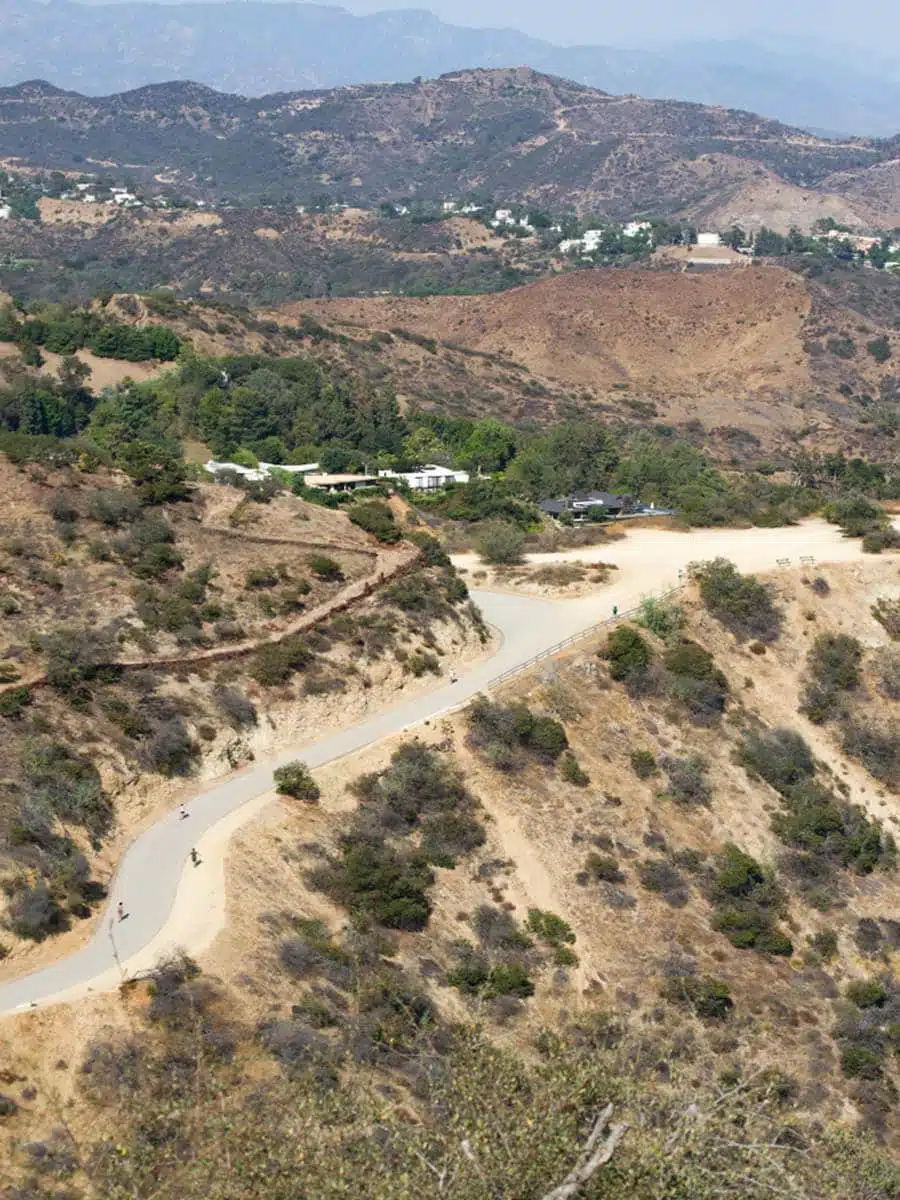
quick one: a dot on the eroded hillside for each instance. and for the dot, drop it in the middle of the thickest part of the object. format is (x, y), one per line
(146, 641)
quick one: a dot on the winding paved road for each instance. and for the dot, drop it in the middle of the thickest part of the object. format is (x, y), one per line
(170, 903)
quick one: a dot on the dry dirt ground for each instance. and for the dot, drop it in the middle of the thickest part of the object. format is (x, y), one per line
(652, 332)
(104, 372)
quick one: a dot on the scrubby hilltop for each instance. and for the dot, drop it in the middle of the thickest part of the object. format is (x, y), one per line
(512, 134)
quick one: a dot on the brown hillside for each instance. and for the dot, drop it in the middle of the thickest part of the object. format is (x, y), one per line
(671, 332)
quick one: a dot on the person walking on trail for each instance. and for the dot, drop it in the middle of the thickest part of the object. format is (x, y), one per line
(615, 610)
(453, 676)
(120, 910)
(182, 811)
(195, 857)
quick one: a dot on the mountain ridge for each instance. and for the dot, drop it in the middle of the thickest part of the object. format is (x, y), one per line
(512, 134)
(287, 47)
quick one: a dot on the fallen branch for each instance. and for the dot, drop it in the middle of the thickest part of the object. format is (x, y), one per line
(594, 1155)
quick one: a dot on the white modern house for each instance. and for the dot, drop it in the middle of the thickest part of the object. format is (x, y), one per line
(261, 472)
(709, 239)
(430, 478)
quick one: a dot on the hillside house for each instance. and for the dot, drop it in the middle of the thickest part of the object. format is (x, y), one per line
(430, 478)
(339, 483)
(709, 239)
(580, 503)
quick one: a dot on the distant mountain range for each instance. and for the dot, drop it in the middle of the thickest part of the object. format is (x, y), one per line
(502, 134)
(260, 48)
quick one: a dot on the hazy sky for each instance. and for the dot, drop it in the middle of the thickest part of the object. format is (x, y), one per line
(872, 23)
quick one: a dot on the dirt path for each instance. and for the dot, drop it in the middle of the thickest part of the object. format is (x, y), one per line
(388, 563)
(652, 558)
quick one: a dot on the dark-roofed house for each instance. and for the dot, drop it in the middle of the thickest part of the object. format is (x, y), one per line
(580, 502)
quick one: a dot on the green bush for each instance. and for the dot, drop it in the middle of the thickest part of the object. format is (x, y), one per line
(66, 784)
(555, 932)
(572, 771)
(136, 344)
(780, 756)
(14, 702)
(603, 868)
(643, 764)
(696, 682)
(295, 779)
(877, 540)
(378, 882)
(876, 746)
(856, 515)
(738, 874)
(500, 542)
(514, 727)
(325, 568)
(833, 666)
(740, 602)
(662, 877)
(880, 349)
(709, 998)
(815, 820)
(866, 993)
(34, 913)
(627, 652)
(376, 518)
(433, 553)
(275, 663)
(747, 904)
(858, 1062)
(420, 661)
(825, 944)
(887, 673)
(260, 577)
(687, 782)
(474, 976)
(663, 618)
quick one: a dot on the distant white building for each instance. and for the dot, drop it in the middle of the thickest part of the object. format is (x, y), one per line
(470, 208)
(5, 212)
(261, 471)
(430, 478)
(635, 228)
(449, 206)
(505, 216)
(291, 468)
(229, 468)
(709, 239)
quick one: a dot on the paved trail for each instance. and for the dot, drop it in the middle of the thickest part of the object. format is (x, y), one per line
(172, 904)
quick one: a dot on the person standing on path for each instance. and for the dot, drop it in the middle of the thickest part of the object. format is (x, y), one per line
(182, 811)
(120, 909)
(195, 857)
